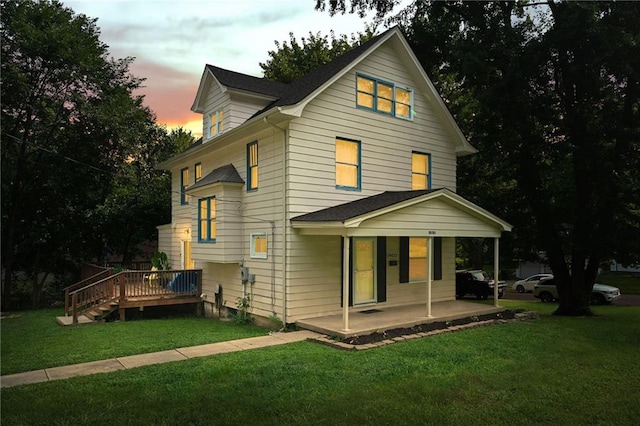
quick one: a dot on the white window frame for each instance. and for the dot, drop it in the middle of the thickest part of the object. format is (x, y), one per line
(254, 253)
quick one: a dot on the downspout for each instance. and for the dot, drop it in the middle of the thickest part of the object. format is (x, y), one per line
(284, 218)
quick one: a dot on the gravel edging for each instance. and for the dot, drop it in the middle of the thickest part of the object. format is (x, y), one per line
(352, 344)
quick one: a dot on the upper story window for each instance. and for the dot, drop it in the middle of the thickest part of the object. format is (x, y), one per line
(207, 219)
(252, 166)
(347, 164)
(184, 182)
(198, 171)
(383, 97)
(420, 170)
(216, 123)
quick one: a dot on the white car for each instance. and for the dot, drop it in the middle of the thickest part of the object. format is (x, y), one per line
(529, 283)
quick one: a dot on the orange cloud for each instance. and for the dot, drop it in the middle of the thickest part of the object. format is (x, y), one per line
(169, 93)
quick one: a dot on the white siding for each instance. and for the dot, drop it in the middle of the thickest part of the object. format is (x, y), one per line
(386, 142)
(239, 213)
(315, 277)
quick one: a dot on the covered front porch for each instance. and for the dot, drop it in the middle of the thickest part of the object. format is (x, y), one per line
(372, 269)
(379, 319)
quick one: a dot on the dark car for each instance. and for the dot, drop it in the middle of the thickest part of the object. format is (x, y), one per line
(476, 283)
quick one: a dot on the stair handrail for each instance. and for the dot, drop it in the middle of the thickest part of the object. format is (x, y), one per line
(83, 283)
(74, 293)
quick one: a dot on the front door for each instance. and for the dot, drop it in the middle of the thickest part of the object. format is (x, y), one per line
(364, 270)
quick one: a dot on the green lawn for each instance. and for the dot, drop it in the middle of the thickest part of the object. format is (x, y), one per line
(32, 340)
(627, 282)
(553, 370)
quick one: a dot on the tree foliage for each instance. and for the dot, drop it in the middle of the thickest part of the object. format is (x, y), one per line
(291, 61)
(78, 147)
(549, 92)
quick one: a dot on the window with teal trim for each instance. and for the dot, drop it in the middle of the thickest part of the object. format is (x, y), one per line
(207, 219)
(347, 164)
(252, 166)
(420, 170)
(184, 182)
(383, 97)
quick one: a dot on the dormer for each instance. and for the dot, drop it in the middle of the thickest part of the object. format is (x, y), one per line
(226, 99)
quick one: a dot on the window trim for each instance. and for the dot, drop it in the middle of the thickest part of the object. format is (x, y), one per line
(250, 167)
(208, 220)
(197, 168)
(428, 179)
(184, 197)
(358, 186)
(393, 86)
(254, 253)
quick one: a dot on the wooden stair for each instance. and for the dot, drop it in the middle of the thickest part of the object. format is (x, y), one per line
(101, 311)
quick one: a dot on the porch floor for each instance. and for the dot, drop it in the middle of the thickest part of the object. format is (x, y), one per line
(375, 319)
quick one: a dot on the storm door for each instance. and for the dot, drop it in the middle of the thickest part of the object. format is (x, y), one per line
(364, 270)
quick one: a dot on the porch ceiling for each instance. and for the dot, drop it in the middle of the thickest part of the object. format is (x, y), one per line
(438, 212)
(362, 323)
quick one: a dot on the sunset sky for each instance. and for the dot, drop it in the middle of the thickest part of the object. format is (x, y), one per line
(173, 40)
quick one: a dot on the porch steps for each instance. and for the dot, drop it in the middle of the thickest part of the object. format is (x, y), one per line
(96, 314)
(101, 311)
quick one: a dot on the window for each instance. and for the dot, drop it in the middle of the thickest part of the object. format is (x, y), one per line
(413, 259)
(252, 166)
(198, 171)
(207, 219)
(216, 123)
(420, 167)
(383, 97)
(259, 245)
(184, 182)
(347, 164)
(417, 259)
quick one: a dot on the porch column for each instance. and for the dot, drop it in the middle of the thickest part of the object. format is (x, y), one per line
(346, 268)
(496, 270)
(429, 273)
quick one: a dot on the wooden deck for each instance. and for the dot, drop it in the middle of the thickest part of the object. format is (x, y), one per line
(106, 292)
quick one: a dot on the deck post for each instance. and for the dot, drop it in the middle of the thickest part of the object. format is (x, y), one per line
(346, 268)
(429, 274)
(74, 307)
(496, 270)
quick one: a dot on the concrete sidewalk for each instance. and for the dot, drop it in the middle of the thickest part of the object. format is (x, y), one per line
(133, 361)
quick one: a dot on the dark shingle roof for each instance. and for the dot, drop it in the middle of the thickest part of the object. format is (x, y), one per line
(294, 92)
(249, 83)
(343, 212)
(225, 174)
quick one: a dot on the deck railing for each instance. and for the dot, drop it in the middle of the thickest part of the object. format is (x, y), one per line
(132, 286)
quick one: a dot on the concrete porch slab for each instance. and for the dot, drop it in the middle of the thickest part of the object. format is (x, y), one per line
(375, 318)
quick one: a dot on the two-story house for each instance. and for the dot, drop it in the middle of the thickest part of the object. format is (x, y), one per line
(329, 195)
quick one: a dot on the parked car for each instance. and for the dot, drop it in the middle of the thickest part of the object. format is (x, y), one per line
(546, 291)
(528, 283)
(478, 283)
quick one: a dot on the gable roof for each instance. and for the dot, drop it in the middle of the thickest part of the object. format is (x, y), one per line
(353, 214)
(289, 100)
(342, 212)
(224, 174)
(236, 80)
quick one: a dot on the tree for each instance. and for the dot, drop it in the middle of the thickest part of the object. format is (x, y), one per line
(141, 195)
(70, 123)
(550, 94)
(291, 61)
